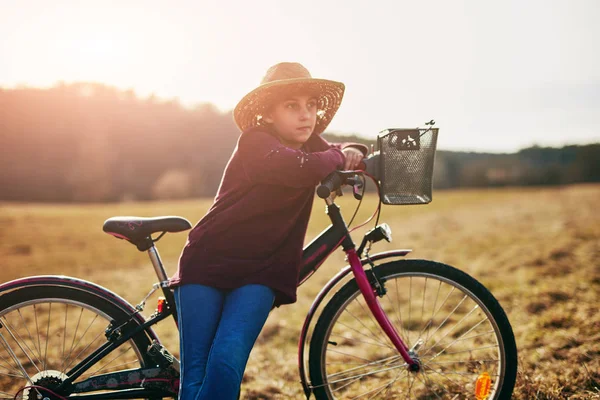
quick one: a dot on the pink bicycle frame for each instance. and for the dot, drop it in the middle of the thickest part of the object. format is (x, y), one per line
(371, 299)
(318, 251)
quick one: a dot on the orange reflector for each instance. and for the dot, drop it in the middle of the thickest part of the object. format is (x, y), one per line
(483, 386)
(161, 305)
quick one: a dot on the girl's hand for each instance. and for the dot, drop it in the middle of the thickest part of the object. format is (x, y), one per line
(353, 158)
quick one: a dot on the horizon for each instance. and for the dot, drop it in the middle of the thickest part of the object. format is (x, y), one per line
(489, 89)
(191, 107)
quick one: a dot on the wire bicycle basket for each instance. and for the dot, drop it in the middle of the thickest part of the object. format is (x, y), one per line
(403, 165)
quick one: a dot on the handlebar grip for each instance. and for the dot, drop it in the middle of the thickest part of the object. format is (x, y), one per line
(331, 183)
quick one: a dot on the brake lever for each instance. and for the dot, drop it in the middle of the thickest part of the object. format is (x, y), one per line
(357, 185)
(356, 191)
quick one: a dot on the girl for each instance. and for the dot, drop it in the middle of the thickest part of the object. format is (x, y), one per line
(242, 258)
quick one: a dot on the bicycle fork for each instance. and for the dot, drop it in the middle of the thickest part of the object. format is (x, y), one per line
(382, 319)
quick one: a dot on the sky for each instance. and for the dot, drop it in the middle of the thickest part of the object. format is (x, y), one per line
(496, 76)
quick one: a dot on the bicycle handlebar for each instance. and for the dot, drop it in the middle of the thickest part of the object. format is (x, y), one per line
(331, 183)
(336, 179)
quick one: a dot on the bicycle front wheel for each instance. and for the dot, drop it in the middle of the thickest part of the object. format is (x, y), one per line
(451, 324)
(46, 330)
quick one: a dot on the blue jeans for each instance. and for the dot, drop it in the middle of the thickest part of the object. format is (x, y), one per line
(217, 330)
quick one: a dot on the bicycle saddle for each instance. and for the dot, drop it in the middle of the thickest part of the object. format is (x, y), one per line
(138, 229)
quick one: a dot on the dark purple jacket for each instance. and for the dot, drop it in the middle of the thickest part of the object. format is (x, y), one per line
(254, 231)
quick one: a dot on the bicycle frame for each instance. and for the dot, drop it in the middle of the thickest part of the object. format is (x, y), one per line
(318, 250)
(314, 254)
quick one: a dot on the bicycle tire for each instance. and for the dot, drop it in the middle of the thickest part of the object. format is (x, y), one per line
(470, 340)
(49, 329)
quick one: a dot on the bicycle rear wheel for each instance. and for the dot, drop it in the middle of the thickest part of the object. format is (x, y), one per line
(449, 321)
(47, 330)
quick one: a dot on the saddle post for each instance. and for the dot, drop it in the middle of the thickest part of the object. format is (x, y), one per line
(162, 278)
(157, 264)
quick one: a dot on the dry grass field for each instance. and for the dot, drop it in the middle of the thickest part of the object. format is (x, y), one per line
(536, 249)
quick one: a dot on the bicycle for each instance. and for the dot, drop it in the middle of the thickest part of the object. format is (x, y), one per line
(390, 327)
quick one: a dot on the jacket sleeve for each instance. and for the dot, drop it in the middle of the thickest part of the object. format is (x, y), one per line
(318, 143)
(265, 160)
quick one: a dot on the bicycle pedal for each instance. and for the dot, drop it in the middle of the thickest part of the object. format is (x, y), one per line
(161, 356)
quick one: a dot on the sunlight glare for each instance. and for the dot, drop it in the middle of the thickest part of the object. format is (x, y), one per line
(93, 56)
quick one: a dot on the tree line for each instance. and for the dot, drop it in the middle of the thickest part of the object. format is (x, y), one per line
(85, 142)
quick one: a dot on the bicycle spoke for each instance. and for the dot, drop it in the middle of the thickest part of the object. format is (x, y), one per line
(458, 373)
(66, 363)
(368, 364)
(47, 336)
(401, 321)
(361, 341)
(387, 391)
(471, 374)
(411, 379)
(364, 375)
(374, 336)
(5, 363)
(423, 306)
(65, 331)
(13, 375)
(39, 353)
(69, 361)
(461, 362)
(387, 386)
(423, 377)
(82, 336)
(454, 327)
(373, 321)
(22, 340)
(350, 355)
(15, 358)
(380, 363)
(453, 342)
(448, 317)
(490, 332)
(9, 329)
(377, 390)
(3, 366)
(398, 313)
(443, 375)
(12, 330)
(439, 308)
(470, 350)
(37, 329)
(362, 334)
(433, 311)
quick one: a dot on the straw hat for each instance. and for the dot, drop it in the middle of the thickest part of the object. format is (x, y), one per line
(285, 79)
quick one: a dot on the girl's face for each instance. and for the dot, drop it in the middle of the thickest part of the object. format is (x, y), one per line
(294, 119)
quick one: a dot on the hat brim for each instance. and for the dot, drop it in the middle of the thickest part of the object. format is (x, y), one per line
(249, 111)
